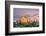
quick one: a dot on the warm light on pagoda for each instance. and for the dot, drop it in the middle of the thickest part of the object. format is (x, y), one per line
(24, 19)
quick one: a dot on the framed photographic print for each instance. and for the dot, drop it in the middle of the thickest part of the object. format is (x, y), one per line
(24, 17)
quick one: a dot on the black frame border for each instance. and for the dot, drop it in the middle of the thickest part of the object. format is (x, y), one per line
(7, 3)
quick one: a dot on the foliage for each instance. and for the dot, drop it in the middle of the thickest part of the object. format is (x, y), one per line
(33, 24)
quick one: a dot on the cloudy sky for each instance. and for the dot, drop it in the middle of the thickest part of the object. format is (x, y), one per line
(17, 12)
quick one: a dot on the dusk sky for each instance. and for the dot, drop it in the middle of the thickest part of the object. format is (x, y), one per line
(17, 12)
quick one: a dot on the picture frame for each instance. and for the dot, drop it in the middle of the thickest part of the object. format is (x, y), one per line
(14, 9)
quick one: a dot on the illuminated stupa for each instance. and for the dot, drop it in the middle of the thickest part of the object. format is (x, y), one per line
(24, 19)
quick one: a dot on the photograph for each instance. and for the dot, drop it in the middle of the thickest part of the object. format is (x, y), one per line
(25, 17)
